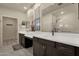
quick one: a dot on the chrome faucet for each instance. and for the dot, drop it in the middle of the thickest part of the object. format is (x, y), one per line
(53, 32)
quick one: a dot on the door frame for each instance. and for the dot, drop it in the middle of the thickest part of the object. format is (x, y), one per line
(2, 29)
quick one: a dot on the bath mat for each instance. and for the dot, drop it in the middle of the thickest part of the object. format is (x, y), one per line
(17, 47)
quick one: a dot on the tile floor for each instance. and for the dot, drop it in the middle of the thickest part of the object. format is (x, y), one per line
(7, 50)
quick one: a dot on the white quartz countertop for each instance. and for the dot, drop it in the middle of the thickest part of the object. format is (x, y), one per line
(66, 38)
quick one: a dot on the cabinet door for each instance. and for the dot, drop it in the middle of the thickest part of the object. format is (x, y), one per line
(28, 42)
(64, 50)
(42, 49)
(38, 48)
(50, 51)
(35, 47)
(21, 38)
(76, 51)
(50, 48)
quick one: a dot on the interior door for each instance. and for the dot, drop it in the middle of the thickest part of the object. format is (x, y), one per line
(9, 29)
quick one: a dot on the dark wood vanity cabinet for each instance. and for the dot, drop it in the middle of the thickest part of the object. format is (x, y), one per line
(38, 48)
(21, 39)
(28, 42)
(64, 50)
(50, 50)
(42, 47)
(24, 41)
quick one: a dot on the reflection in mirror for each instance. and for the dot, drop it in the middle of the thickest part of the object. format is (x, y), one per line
(66, 19)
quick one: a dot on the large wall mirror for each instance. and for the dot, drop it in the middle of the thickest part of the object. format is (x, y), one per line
(67, 18)
(64, 18)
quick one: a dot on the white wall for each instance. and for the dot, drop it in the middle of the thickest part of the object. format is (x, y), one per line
(47, 23)
(11, 13)
(30, 17)
(31, 13)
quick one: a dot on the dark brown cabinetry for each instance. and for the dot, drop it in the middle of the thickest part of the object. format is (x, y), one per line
(21, 39)
(26, 42)
(49, 50)
(38, 48)
(64, 50)
(42, 47)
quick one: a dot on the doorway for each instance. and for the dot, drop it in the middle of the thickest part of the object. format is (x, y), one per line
(9, 30)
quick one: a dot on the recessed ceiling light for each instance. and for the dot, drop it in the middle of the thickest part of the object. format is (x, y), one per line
(25, 8)
(62, 12)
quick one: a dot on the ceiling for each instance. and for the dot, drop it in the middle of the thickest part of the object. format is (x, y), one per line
(54, 7)
(17, 6)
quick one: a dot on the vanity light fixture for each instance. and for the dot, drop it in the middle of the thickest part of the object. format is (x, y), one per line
(25, 8)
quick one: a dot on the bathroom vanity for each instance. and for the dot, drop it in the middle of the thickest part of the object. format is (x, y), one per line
(25, 41)
(44, 47)
(60, 44)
